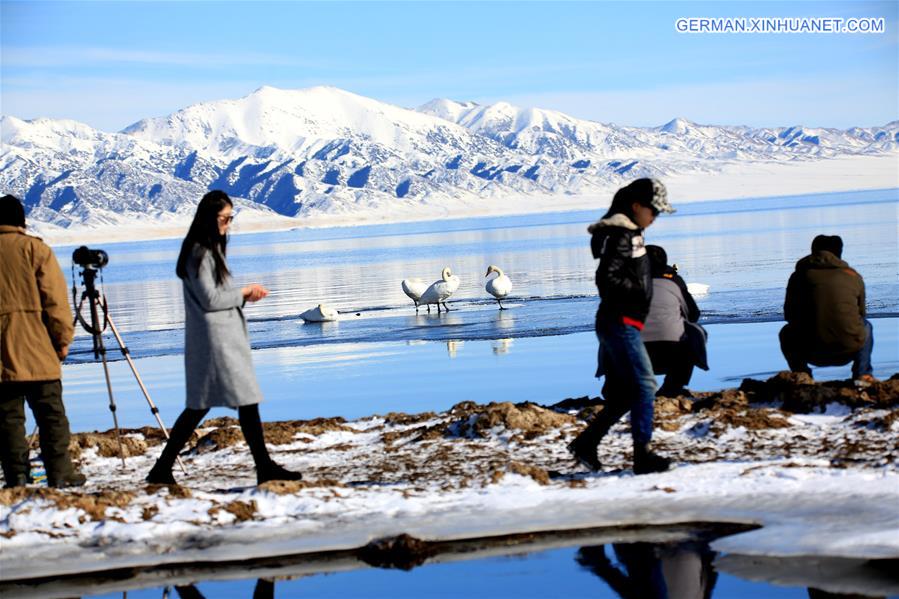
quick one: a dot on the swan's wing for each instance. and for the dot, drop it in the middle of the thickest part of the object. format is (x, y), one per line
(431, 294)
(414, 287)
(499, 287)
(312, 315)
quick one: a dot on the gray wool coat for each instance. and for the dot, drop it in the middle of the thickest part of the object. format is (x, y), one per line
(217, 362)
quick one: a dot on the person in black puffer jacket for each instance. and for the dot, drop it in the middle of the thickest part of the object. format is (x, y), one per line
(674, 341)
(624, 281)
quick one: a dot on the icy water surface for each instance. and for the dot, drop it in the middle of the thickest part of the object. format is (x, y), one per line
(382, 356)
(675, 563)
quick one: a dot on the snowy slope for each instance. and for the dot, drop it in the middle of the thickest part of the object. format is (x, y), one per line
(323, 151)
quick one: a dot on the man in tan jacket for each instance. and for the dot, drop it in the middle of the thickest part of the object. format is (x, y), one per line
(36, 329)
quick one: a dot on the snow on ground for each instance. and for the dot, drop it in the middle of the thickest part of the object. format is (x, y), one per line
(735, 180)
(814, 464)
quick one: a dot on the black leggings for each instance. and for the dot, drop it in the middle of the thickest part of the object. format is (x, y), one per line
(189, 419)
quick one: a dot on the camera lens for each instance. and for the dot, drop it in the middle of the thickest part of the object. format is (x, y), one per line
(90, 258)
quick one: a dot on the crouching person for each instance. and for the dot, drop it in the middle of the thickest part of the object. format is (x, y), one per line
(825, 313)
(36, 329)
(674, 341)
(625, 289)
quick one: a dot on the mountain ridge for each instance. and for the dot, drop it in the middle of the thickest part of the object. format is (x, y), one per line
(324, 151)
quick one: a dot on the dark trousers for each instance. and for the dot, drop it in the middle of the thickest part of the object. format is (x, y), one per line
(798, 355)
(673, 359)
(45, 400)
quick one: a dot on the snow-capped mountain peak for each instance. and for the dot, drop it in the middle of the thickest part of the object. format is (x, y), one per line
(286, 122)
(324, 150)
(678, 126)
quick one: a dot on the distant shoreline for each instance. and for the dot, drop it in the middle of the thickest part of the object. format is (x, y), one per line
(733, 181)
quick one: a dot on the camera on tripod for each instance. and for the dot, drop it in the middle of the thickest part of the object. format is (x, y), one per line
(92, 263)
(88, 258)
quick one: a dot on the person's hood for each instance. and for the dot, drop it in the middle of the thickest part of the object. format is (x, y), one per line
(616, 220)
(820, 259)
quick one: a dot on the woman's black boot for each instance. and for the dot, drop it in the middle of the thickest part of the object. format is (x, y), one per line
(161, 473)
(266, 468)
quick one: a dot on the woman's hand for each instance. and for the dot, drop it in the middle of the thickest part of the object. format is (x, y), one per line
(254, 292)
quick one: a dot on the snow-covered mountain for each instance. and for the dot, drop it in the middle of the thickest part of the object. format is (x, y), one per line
(325, 151)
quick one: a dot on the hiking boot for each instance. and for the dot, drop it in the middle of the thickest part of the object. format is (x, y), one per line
(75, 479)
(274, 471)
(646, 462)
(585, 454)
(160, 476)
(865, 381)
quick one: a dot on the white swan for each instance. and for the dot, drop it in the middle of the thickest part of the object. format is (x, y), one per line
(698, 288)
(500, 286)
(441, 290)
(320, 313)
(414, 288)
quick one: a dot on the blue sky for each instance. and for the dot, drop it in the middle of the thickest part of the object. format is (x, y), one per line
(109, 64)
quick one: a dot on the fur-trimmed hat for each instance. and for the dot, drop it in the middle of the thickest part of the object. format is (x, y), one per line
(651, 193)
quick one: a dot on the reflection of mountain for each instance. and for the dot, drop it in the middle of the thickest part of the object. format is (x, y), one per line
(325, 151)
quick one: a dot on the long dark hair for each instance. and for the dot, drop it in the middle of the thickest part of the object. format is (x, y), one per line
(204, 232)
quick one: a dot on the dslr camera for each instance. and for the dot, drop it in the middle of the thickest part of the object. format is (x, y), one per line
(88, 258)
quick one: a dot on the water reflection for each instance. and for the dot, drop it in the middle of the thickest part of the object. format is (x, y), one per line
(501, 346)
(264, 589)
(653, 570)
(453, 347)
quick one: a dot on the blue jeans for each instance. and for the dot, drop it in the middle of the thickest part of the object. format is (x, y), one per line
(630, 383)
(799, 356)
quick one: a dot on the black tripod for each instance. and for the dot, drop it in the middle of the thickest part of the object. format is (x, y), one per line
(98, 301)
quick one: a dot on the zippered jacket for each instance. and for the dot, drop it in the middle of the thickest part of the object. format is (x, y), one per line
(623, 276)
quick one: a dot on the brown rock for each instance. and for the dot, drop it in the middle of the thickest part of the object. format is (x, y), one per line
(473, 420)
(538, 474)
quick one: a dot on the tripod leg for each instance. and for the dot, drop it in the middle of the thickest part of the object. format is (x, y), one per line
(112, 406)
(140, 383)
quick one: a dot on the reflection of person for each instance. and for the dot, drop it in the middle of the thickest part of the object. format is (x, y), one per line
(669, 333)
(36, 329)
(654, 571)
(264, 589)
(825, 313)
(217, 361)
(625, 288)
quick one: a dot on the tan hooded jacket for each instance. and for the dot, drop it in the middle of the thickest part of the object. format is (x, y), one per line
(36, 325)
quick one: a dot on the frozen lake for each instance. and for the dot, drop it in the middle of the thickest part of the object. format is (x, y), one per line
(383, 357)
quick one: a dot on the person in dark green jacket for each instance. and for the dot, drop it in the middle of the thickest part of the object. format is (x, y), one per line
(825, 313)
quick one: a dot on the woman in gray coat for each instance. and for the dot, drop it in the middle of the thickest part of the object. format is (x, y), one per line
(218, 367)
